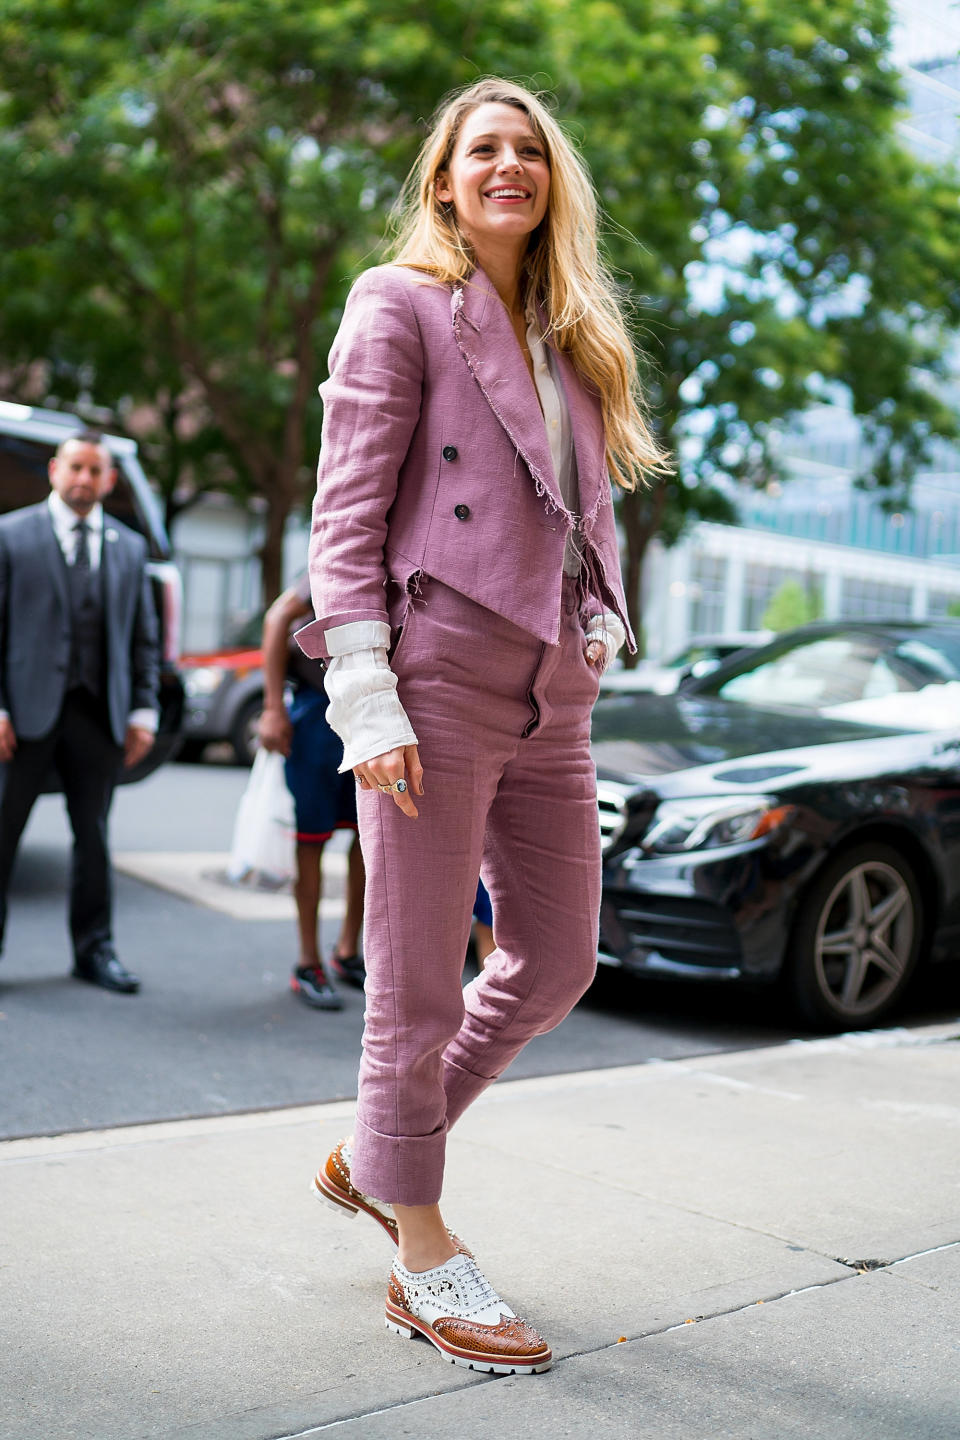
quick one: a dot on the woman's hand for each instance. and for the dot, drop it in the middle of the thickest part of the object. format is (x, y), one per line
(400, 764)
(596, 654)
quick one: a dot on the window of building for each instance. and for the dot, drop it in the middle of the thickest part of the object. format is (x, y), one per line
(941, 603)
(708, 579)
(874, 600)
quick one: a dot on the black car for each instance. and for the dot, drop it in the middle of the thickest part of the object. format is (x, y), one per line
(794, 817)
(28, 439)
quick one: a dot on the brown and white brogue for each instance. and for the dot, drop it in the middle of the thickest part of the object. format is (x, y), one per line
(455, 1307)
(332, 1183)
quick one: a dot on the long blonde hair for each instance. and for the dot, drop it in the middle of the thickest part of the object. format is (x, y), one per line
(563, 271)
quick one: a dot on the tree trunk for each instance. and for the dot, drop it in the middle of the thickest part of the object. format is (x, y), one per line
(281, 491)
(280, 495)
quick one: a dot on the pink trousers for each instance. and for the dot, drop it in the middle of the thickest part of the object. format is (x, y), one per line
(509, 786)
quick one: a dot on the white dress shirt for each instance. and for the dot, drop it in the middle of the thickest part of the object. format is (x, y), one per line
(65, 522)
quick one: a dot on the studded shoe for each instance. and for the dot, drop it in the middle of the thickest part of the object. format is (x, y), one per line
(332, 1183)
(455, 1307)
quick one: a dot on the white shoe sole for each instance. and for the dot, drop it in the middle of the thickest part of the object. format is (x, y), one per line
(346, 1207)
(408, 1327)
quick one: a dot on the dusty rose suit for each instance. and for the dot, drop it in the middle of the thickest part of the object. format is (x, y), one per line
(437, 509)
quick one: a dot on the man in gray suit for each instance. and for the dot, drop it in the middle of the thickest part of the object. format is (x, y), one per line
(78, 681)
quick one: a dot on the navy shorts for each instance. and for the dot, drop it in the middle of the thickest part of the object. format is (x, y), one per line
(482, 909)
(324, 800)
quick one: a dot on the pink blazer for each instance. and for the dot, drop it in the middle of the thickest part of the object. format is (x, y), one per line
(435, 461)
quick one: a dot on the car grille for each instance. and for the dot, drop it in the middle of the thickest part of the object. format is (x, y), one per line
(667, 932)
(612, 804)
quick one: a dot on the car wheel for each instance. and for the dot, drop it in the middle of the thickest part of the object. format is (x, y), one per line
(856, 939)
(243, 736)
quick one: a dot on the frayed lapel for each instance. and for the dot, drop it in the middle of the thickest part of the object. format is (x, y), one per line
(586, 422)
(489, 346)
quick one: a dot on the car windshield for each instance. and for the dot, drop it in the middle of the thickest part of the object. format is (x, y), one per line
(825, 671)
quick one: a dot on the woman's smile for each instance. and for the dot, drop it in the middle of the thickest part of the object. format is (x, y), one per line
(509, 194)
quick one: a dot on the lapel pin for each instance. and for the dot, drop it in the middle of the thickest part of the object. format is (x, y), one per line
(110, 535)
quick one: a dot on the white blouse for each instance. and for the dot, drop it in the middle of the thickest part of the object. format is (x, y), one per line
(556, 416)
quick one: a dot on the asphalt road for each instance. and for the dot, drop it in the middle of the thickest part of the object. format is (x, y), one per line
(215, 1029)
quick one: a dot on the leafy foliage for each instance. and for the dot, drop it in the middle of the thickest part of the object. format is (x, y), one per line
(187, 187)
(790, 606)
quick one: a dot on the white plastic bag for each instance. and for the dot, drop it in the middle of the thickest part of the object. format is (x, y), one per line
(264, 833)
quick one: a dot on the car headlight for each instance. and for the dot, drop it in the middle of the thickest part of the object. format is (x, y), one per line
(203, 680)
(710, 822)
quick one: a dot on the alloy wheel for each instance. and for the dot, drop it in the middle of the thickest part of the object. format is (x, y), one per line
(864, 940)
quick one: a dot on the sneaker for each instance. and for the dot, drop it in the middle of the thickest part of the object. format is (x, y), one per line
(349, 968)
(455, 1307)
(332, 1184)
(314, 989)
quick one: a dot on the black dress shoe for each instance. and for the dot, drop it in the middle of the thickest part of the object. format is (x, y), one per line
(105, 970)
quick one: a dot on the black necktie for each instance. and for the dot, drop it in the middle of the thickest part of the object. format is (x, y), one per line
(81, 556)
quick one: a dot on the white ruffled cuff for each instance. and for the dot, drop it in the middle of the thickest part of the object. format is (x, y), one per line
(608, 629)
(357, 635)
(364, 709)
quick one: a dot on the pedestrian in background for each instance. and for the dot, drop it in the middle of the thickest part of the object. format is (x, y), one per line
(324, 799)
(79, 664)
(466, 580)
(483, 941)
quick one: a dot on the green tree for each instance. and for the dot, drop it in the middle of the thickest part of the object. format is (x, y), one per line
(791, 605)
(781, 243)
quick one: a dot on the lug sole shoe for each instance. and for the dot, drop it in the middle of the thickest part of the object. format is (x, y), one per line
(311, 985)
(333, 1185)
(456, 1308)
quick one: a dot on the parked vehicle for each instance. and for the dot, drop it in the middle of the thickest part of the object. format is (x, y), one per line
(698, 658)
(28, 438)
(224, 690)
(768, 824)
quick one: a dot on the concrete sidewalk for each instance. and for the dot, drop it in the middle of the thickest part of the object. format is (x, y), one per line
(755, 1246)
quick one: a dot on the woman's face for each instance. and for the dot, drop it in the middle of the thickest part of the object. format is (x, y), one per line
(498, 179)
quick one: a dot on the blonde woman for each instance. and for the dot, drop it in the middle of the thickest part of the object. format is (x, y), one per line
(466, 580)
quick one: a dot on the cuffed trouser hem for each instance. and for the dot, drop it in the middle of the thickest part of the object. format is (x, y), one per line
(398, 1169)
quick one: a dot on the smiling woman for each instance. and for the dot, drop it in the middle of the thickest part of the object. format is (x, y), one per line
(465, 573)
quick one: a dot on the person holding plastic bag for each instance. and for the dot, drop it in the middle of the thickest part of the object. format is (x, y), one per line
(324, 800)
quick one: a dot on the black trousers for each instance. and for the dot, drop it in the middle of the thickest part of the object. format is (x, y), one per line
(88, 759)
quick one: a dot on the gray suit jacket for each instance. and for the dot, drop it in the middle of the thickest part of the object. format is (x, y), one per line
(35, 623)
